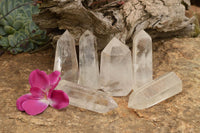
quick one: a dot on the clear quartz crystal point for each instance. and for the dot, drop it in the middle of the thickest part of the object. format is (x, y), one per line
(87, 98)
(116, 69)
(88, 61)
(155, 91)
(65, 57)
(142, 59)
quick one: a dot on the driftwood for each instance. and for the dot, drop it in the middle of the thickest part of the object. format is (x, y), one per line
(110, 18)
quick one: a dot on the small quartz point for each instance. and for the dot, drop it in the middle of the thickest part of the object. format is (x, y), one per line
(155, 91)
(116, 69)
(142, 59)
(87, 98)
(65, 58)
(88, 61)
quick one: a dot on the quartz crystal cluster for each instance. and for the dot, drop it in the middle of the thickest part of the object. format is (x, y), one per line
(148, 92)
(66, 61)
(92, 85)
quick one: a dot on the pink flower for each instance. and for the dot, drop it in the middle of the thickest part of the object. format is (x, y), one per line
(42, 93)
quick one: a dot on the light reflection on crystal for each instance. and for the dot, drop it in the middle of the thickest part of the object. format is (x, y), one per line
(65, 57)
(87, 98)
(142, 59)
(88, 61)
(116, 69)
(155, 91)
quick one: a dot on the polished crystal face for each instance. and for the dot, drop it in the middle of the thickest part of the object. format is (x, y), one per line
(155, 91)
(88, 61)
(116, 69)
(87, 98)
(65, 58)
(142, 59)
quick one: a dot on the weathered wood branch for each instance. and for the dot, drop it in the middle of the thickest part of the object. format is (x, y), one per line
(115, 18)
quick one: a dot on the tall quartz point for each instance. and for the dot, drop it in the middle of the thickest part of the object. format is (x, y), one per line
(87, 98)
(116, 69)
(155, 91)
(65, 58)
(142, 59)
(88, 61)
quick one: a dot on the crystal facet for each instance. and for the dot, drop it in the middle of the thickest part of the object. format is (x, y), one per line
(155, 91)
(116, 69)
(87, 98)
(88, 61)
(142, 59)
(65, 58)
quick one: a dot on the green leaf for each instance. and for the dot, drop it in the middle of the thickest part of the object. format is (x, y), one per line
(23, 11)
(20, 1)
(4, 42)
(2, 32)
(21, 17)
(31, 45)
(22, 37)
(25, 1)
(11, 40)
(32, 27)
(10, 20)
(35, 9)
(27, 46)
(6, 6)
(2, 7)
(13, 51)
(19, 50)
(18, 24)
(9, 29)
(11, 4)
(29, 13)
(37, 42)
(3, 22)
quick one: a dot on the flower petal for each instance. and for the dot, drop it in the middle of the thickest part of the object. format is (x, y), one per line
(59, 99)
(54, 77)
(39, 79)
(34, 107)
(21, 99)
(53, 87)
(37, 92)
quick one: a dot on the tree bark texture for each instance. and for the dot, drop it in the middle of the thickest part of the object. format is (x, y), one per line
(161, 18)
